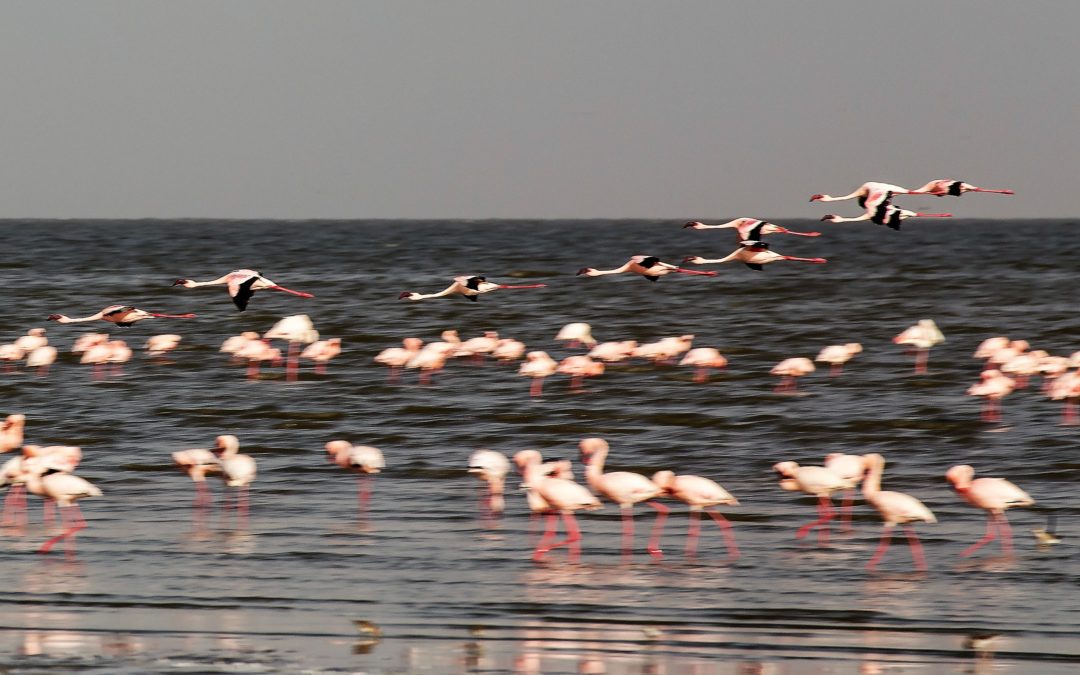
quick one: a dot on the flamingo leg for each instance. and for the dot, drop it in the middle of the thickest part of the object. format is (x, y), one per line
(575, 382)
(692, 534)
(729, 536)
(1006, 534)
(921, 357)
(836, 370)
(74, 520)
(573, 535)
(363, 493)
(825, 509)
(658, 529)
(291, 365)
(628, 530)
(1069, 417)
(13, 506)
(991, 534)
(253, 370)
(537, 387)
(916, 548)
(549, 534)
(242, 507)
(846, 509)
(425, 377)
(701, 374)
(394, 376)
(886, 538)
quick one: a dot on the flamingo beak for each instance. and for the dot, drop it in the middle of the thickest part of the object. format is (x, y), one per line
(814, 198)
(691, 223)
(404, 294)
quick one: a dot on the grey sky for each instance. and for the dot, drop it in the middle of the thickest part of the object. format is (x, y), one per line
(547, 108)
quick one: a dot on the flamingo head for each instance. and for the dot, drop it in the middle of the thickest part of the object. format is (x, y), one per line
(406, 294)
(695, 259)
(785, 469)
(693, 223)
(665, 479)
(186, 283)
(585, 271)
(54, 317)
(815, 198)
(829, 218)
(590, 446)
(960, 475)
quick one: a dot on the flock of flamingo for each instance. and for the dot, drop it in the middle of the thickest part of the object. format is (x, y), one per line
(550, 488)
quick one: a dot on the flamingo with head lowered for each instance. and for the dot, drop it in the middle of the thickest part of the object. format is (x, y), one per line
(648, 266)
(121, 315)
(241, 284)
(753, 254)
(469, 287)
(949, 186)
(749, 228)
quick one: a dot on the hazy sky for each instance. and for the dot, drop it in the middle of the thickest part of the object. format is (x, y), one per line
(546, 108)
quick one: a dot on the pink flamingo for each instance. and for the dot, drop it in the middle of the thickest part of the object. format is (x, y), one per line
(11, 476)
(1066, 387)
(197, 463)
(625, 489)
(160, 345)
(704, 358)
(613, 352)
(296, 330)
(11, 432)
(664, 350)
(559, 495)
(749, 228)
(63, 488)
(921, 337)
(255, 352)
(468, 287)
(491, 467)
(851, 469)
(578, 367)
(321, 352)
(885, 214)
(870, 195)
(34, 338)
(508, 350)
(994, 495)
(576, 334)
(896, 508)
(396, 357)
(538, 365)
(819, 482)
(790, 370)
(753, 254)
(993, 386)
(950, 186)
(837, 355)
(121, 315)
(648, 266)
(235, 343)
(241, 285)
(238, 470)
(362, 459)
(700, 494)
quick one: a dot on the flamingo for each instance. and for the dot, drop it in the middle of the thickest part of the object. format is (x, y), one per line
(478, 347)
(121, 315)
(63, 488)
(558, 494)
(98, 356)
(432, 358)
(988, 347)
(1066, 388)
(197, 463)
(88, 340)
(664, 350)
(119, 354)
(491, 467)
(296, 330)
(576, 334)
(538, 365)
(749, 228)
(1023, 366)
(993, 495)
(34, 338)
(648, 266)
(700, 494)
(885, 214)
(321, 351)
(235, 343)
(11, 476)
(703, 358)
(396, 357)
(241, 285)
(921, 337)
(896, 508)
(255, 352)
(579, 367)
(613, 352)
(238, 470)
(365, 460)
(625, 489)
(753, 254)
(507, 350)
(851, 469)
(837, 355)
(41, 358)
(469, 287)
(870, 194)
(11, 354)
(790, 371)
(819, 482)
(159, 345)
(950, 186)
(11, 432)
(992, 386)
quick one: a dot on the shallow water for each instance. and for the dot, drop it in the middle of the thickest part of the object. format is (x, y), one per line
(150, 588)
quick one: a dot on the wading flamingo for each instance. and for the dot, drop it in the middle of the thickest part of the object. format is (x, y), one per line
(63, 488)
(921, 338)
(703, 358)
(700, 494)
(994, 495)
(396, 357)
(121, 315)
(819, 482)
(993, 385)
(561, 495)
(896, 508)
(491, 467)
(238, 470)
(648, 266)
(538, 365)
(837, 355)
(364, 460)
(296, 330)
(197, 463)
(241, 285)
(469, 287)
(790, 370)
(852, 469)
(576, 334)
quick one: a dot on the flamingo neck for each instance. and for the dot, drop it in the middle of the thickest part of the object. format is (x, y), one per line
(872, 482)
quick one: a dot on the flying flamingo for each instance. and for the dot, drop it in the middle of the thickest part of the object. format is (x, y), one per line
(241, 285)
(238, 470)
(896, 508)
(837, 355)
(994, 495)
(885, 214)
(396, 357)
(469, 287)
(538, 365)
(65, 489)
(295, 330)
(819, 482)
(576, 334)
(648, 266)
(491, 467)
(700, 494)
(790, 370)
(703, 358)
(870, 195)
(753, 254)
(625, 489)
(992, 386)
(921, 337)
(362, 459)
(750, 229)
(559, 495)
(851, 469)
(949, 186)
(196, 463)
(121, 315)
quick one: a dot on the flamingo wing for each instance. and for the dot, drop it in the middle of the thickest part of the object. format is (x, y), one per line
(241, 292)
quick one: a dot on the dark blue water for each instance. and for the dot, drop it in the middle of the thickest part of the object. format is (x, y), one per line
(151, 590)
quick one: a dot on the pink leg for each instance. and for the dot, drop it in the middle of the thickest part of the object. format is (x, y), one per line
(825, 509)
(628, 531)
(549, 534)
(921, 357)
(242, 507)
(658, 529)
(573, 535)
(253, 370)
(11, 505)
(692, 534)
(1006, 534)
(702, 374)
(846, 508)
(363, 493)
(729, 536)
(76, 522)
(320, 368)
(537, 387)
(425, 377)
(916, 548)
(991, 534)
(575, 382)
(836, 369)
(886, 538)
(394, 376)
(1069, 417)
(291, 365)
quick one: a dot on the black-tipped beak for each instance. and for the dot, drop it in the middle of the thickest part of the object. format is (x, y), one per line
(404, 294)
(583, 270)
